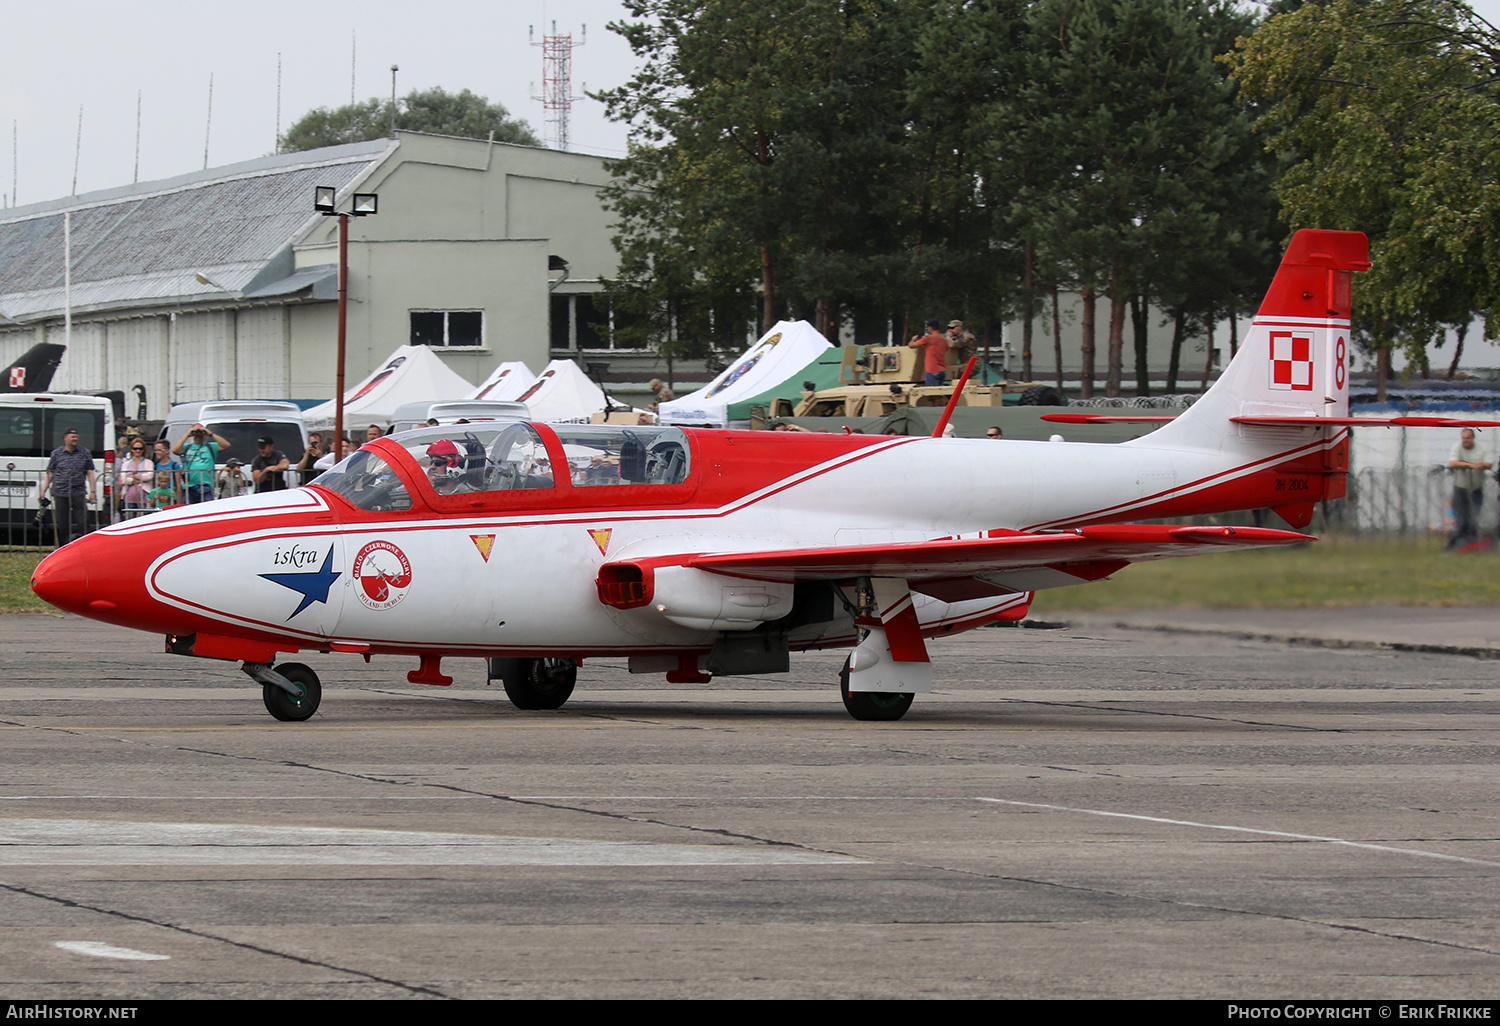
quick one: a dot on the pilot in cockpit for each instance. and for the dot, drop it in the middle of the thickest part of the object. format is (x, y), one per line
(445, 468)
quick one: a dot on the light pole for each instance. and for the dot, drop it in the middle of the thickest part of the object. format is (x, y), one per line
(394, 69)
(364, 204)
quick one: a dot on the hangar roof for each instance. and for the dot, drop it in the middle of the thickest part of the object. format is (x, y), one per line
(144, 244)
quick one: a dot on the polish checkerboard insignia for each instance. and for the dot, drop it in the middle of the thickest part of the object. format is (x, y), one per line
(1291, 362)
(18, 377)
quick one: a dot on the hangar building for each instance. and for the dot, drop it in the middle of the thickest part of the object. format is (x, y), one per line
(223, 283)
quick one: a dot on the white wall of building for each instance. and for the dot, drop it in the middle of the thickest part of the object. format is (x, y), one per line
(261, 345)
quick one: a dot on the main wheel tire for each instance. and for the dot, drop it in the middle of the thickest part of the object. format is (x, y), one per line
(538, 683)
(289, 707)
(873, 705)
(1041, 395)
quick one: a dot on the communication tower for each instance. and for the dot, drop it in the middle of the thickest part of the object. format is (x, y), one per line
(557, 80)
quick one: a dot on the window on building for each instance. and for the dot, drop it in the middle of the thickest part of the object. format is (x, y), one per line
(585, 320)
(560, 323)
(447, 327)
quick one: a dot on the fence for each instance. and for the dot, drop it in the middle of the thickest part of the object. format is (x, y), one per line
(1407, 500)
(27, 526)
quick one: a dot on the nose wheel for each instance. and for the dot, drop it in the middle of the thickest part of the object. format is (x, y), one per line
(294, 696)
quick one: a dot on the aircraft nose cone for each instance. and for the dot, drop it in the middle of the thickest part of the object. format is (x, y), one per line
(62, 580)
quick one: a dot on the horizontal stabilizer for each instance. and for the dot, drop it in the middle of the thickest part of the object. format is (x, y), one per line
(1366, 421)
(957, 557)
(1309, 421)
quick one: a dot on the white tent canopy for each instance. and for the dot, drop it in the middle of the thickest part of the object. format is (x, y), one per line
(563, 394)
(409, 374)
(781, 352)
(506, 382)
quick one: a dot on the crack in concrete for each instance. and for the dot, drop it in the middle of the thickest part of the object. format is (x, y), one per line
(1181, 903)
(409, 988)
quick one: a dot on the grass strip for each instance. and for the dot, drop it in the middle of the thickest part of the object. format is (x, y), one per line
(1337, 571)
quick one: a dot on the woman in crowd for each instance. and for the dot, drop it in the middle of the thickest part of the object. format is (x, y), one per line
(135, 476)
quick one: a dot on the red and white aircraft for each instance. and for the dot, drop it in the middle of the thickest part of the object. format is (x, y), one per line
(697, 552)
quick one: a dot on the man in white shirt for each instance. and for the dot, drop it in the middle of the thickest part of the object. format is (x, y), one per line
(1469, 461)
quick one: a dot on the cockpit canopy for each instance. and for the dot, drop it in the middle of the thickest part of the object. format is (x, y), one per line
(608, 455)
(464, 459)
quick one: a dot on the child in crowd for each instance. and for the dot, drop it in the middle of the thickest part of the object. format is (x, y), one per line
(163, 495)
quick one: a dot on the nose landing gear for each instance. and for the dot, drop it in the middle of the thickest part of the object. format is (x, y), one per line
(291, 691)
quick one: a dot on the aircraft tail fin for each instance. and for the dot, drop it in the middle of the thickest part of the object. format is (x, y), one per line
(1292, 370)
(1294, 361)
(32, 371)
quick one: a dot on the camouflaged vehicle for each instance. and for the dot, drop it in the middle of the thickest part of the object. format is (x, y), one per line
(874, 381)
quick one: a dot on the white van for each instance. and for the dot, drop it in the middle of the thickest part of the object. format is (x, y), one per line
(451, 411)
(241, 422)
(31, 426)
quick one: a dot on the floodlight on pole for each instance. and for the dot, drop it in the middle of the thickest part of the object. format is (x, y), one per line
(363, 204)
(556, 263)
(204, 279)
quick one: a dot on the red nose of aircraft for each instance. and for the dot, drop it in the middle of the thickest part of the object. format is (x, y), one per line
(62, 579)
(102, 576)
(108, 575)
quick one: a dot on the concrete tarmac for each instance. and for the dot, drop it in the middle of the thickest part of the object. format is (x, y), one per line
(1236, 806)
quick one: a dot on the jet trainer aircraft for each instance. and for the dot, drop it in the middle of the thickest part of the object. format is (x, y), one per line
(696, 553)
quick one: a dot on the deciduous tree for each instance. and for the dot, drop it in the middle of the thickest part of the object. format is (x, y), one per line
(776, 132)
(432, 110)
(1387, 110)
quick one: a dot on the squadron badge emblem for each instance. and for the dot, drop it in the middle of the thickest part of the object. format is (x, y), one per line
(383, 574)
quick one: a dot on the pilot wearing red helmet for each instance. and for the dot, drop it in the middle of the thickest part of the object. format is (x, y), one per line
(445, 467)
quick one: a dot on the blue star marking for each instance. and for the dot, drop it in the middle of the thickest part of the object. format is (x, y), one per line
(313, 584)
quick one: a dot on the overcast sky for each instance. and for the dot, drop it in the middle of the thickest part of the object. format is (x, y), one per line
(100, 55)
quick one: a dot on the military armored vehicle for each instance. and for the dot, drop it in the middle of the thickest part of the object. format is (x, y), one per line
(874, 381)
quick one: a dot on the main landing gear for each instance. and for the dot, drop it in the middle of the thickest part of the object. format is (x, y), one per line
(292, 691)
(872, 705)
(535, 683)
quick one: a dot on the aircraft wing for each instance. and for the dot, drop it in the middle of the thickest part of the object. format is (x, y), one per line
(962, 567)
